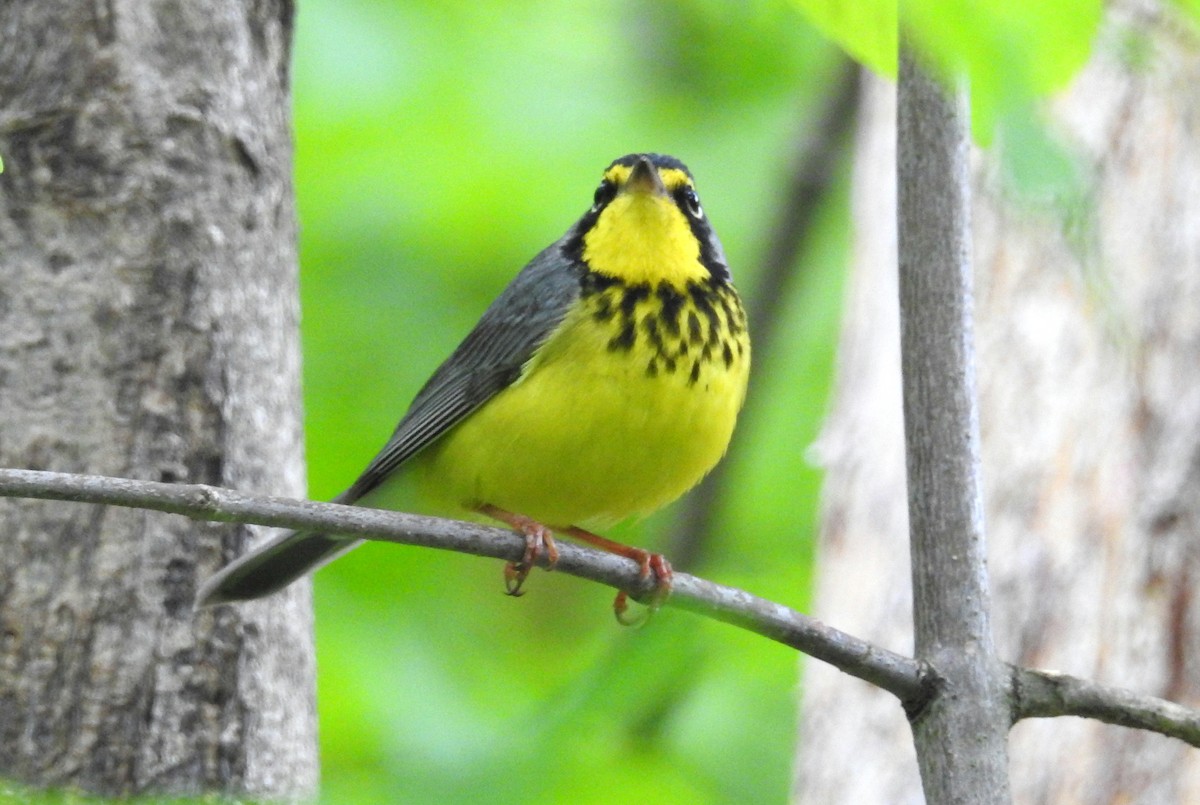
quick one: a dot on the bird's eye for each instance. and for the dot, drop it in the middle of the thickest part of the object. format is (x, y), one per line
(693, 202)
(604, 194)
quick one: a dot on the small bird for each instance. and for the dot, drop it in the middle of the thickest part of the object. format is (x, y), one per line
(602, 384)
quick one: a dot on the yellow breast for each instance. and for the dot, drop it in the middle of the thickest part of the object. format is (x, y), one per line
(625, 407)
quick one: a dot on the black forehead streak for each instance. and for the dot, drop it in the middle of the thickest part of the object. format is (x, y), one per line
(659, 161)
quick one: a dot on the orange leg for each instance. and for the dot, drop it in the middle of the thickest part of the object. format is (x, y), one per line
(650, 563)
(537, 539)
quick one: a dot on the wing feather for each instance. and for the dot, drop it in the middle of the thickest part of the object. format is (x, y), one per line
(489, 359)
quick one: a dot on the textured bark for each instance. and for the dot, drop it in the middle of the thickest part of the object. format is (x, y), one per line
(961, 737)
(1089, 338)
(148, 329)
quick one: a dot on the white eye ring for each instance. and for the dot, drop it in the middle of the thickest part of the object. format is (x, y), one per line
(693, 203)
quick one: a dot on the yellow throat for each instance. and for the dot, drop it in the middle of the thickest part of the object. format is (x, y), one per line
(642, 236)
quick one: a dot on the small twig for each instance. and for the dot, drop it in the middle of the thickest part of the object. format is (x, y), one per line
(902, 676)
(1045, 694)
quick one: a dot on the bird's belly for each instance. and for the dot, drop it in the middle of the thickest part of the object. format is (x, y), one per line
(589, 437)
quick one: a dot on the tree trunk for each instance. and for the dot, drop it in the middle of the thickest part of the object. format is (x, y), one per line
(1089, 341)
(148, 329)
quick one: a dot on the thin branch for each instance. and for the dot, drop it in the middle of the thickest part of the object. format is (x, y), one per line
(962, 740)
(1038, 693)
(904, 677)
(1045, 694)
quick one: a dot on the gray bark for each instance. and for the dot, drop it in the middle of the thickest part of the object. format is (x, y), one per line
(961, 738)
(148, 329)
(1089, 337)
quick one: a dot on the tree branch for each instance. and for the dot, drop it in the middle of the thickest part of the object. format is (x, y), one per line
(1038, 694)
(962, 740)
(1044, 694)
(902, 676)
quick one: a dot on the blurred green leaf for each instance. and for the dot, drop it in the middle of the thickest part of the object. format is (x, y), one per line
(866, 29)
(1012, 52)
(1191, 7)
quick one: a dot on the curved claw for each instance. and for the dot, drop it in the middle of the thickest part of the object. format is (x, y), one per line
(621, 609)
(537, 539)
(651, 563)
(648, 562)
(514, 577)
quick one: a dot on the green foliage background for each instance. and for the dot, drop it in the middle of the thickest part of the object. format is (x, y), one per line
(439, 147)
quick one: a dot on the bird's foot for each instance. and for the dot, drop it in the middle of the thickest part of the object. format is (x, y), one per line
(658, 564)
(648, 562)
(537, 539)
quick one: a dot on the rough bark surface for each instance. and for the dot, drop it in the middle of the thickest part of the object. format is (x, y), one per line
(962, 736)
(1089, 338)
(148, 329)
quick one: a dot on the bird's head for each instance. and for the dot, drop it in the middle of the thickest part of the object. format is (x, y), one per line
(646, 225)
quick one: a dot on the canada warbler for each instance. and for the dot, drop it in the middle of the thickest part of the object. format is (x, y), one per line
(602, 383)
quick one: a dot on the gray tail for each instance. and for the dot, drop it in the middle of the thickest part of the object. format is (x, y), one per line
(272, 567)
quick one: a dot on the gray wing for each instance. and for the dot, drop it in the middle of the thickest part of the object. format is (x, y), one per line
(491, 357)
(488, 360)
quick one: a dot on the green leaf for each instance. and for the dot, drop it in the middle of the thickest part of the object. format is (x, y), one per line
(1191, 7)
(1013, 52)
(866, 30)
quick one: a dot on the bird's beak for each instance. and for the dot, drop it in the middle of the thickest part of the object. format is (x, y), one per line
(644, 178)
